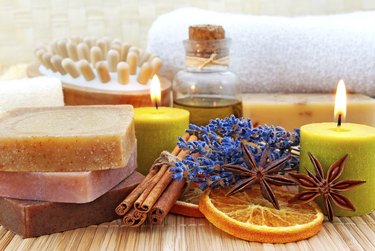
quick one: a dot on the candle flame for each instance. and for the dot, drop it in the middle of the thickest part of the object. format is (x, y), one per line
(340, 103)
(155, 91)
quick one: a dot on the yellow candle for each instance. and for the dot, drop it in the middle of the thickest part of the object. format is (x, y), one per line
(157, 130)
(329, 142)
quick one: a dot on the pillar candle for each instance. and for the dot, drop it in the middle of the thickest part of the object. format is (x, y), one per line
(328, 143)
(157, 130)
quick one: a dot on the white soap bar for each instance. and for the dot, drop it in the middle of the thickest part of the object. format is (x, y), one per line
(31, 92)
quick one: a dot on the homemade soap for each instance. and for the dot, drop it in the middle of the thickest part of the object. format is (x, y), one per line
(294, 110)
(35, 218)
(33, 92)
(70, 138)
(68, 187)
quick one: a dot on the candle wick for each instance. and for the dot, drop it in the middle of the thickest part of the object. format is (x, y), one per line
(156, 105)
(339, 120)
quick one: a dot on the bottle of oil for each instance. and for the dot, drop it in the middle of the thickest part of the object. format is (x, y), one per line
(206, 87)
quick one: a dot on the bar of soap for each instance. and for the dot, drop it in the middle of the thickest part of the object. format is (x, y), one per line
(294, 110)
(68, 187)
(70, 138)
(31, 92)
(35, 218)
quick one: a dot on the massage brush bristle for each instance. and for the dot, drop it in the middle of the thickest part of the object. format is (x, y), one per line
(103, 59)
(47, 61)
(144, 74)
(103, 73)
(144, 58)
(83, 51)
(124, 51)
(113, 59)
(123, 72)
(61, 48)
(56, 61)
(90, 41)
(71, 48)
(86, 70)
(96, 55)
(70, 67)
(155, 66)
(132, 60)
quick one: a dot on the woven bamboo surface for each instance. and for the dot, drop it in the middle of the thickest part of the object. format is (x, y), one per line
(25, 24)
(183, 233)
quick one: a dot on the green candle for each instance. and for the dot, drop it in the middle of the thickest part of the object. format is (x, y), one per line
(157, 130)
(329, 142)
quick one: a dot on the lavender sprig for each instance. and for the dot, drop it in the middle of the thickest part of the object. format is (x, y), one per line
(219, 143)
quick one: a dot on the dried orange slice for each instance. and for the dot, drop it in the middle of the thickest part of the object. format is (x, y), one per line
(247, 215)
(187, 204)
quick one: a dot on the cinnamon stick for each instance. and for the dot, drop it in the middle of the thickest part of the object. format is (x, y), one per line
(140, 193)
(134, 218)
(139, 203)
(127, 203)
(166, 201)
(161, 185)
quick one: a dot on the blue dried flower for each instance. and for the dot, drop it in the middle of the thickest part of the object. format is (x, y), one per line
(219, 143)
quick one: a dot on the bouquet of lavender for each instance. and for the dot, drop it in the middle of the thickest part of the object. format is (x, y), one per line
(219, 143)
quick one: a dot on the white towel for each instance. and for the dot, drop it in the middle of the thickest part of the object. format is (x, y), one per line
(280, 54)
(31, 92)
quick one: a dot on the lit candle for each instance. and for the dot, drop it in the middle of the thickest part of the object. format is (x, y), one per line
(329, 142)
(157, 128)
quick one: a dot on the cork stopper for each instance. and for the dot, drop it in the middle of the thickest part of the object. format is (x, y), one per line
(206, 32)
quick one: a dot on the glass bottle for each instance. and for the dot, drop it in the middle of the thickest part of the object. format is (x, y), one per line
(206, 88)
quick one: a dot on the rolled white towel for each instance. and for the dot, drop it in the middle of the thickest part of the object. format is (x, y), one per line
(30, 92)
(280, 54)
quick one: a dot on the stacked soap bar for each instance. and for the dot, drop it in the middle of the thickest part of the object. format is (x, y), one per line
(59, 166)
(35, 218)
(73, 187)
(70, 138)
(294, 110)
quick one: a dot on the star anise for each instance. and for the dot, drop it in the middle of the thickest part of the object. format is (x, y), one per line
(264, 174)
(328, 187)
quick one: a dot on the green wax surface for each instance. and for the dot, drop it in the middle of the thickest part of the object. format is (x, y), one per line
(329, 143)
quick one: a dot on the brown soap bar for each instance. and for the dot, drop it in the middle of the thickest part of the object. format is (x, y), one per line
(35, 218)
(63, 139)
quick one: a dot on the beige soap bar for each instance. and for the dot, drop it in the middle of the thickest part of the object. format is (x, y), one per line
(70, 138)
(294, 110)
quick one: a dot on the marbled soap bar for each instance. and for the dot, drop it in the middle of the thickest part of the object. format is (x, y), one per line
(35, 218)
(68, 187)
(294, 110)
(70, 138)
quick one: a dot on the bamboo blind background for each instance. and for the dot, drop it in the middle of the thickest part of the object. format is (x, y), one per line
(24, 24)
(193, 234)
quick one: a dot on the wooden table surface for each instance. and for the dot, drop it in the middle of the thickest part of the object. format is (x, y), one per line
(184, 233)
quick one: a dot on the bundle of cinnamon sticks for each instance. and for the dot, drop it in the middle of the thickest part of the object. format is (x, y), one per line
(154, 197)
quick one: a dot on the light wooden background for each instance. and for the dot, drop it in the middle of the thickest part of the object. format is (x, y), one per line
(24, 24)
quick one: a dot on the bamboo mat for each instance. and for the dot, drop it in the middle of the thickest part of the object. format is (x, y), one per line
(184, 233)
